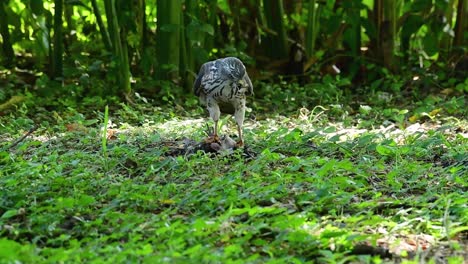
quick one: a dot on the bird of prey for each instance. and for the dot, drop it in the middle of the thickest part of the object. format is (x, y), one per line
(223, 85)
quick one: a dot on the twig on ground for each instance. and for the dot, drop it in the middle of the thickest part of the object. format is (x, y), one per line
(34, 128)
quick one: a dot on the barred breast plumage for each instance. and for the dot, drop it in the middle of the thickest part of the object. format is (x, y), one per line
(224, 82)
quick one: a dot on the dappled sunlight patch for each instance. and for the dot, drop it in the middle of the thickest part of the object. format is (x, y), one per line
(340, 132)
(402, 245)
(306, 185)
(382, 242)
(180, 127)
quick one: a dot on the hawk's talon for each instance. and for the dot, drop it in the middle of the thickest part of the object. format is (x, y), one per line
(212, 139)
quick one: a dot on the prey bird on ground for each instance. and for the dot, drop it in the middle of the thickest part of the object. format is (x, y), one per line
(222, 85)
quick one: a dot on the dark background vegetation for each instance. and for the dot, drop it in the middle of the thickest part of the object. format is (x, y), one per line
(110, 48)
(356, 137)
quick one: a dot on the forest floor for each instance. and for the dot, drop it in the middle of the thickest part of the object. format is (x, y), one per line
(327, 184)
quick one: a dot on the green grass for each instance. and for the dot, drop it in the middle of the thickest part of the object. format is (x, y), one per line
(88, 186)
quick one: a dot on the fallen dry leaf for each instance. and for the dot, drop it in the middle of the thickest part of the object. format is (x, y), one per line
(76, 127)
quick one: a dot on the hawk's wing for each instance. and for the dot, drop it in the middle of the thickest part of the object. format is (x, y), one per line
(229, 68)
(249, 84)
(197, 85)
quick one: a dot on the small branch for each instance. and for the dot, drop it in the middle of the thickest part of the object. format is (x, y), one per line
(34, 128)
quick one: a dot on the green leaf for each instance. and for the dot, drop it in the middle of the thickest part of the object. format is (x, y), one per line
(144, 250)
(330, 129)
(457, 230)
(9, 250)
(10, 213)
(365, 109)
(63, 203)
(430, 42)
(385, 150)
(207, 28)
(86, 200)
(323, 171)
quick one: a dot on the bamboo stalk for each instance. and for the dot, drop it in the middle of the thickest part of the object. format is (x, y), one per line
(110, 22)
(212, 20)
(57, 60)
(118, 36)
(312, 28)
(185, 53)
(7, 47)
(168, 38)
(191, 10)
(386, 14)
(102, 29)
(390, 16)
(121, 52)
(273, 11)
(461, 25)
